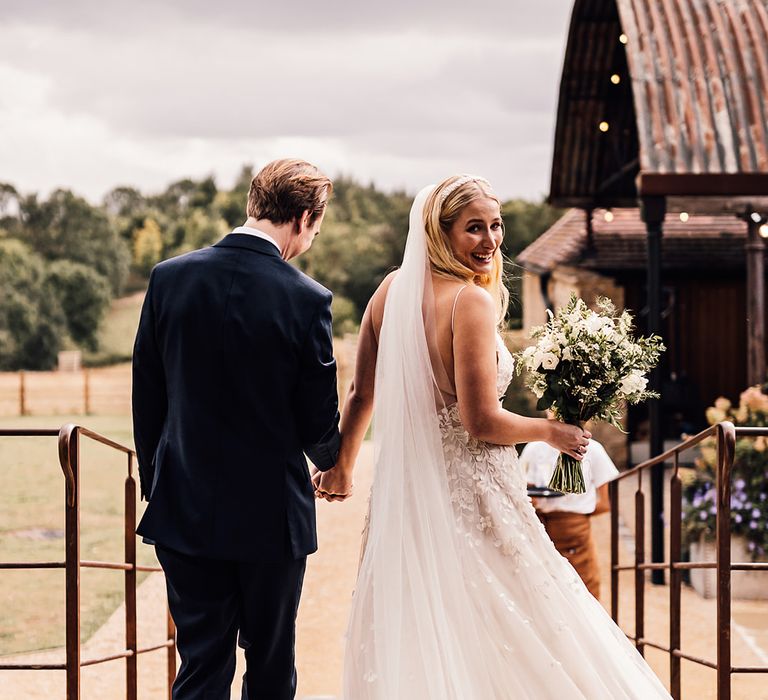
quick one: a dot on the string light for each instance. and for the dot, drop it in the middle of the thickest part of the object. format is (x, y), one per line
(608, 216)
(615, 78)
(623, 38)
(755, 217)
(683, 216)
(763, 230)
(603, 126)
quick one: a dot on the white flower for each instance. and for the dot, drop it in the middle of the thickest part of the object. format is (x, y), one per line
(567, 354)
(633, 383)
(549, 360)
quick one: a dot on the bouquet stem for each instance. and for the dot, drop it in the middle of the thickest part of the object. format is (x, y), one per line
(568, 476)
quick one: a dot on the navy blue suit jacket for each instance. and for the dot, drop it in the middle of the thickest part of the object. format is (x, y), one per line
(233, 381)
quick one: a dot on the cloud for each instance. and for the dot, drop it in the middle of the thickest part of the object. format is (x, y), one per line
(488, 20)
(392, 99)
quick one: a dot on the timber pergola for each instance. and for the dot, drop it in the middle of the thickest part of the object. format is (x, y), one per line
(664, 100)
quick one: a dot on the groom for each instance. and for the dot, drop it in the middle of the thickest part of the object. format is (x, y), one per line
(233, 380)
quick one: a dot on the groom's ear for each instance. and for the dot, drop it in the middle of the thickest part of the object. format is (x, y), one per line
(302, 221)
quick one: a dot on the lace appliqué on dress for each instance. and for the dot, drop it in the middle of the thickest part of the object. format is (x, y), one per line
(486, 485)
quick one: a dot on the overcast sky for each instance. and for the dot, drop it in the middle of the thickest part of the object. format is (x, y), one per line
(95, 93)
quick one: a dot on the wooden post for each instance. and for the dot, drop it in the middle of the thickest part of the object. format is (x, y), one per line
(87, 391)
(755, 249)
(653, 211)
(22, 394)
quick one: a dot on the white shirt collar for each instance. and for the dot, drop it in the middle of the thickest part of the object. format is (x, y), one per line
(259, 234)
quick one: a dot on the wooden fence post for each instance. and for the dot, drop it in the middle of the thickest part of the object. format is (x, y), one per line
(87, 391)
(22, 394)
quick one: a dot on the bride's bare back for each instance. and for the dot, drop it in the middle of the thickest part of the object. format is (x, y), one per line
(464, 358)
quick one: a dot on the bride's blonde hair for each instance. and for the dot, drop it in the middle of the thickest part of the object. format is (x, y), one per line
(441, 211)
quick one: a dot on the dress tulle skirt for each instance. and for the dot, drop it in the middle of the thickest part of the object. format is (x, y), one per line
(518, 624)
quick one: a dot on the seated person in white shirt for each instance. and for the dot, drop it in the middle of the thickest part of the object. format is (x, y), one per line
(567, 518)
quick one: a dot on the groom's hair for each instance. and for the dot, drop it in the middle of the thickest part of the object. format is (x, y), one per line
(284, 189)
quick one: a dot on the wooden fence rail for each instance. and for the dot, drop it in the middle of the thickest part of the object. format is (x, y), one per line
(105, 391)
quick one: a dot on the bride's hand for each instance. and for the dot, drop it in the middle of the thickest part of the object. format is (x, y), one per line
(569, 439)
(334, 484)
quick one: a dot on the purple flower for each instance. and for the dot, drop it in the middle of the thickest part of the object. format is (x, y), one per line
(752, 525)
(713, 509)
(740, 484)
(702, 515)
(755, 512)
(737, 518)
(751, 546)
(762, 496)
(697, 501)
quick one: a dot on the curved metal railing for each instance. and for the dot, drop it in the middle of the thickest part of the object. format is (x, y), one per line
(725, 435)
(69, 458)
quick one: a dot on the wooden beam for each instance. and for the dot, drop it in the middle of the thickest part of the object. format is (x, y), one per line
(755, 250)
(653, 211)
(702, 185)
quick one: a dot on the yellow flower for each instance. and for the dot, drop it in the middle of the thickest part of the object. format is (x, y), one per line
(760, 444)
(754, 399)
(722, 403)
(715, 415)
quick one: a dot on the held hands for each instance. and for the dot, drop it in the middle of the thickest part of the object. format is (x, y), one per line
(569, 439)
(332, 485)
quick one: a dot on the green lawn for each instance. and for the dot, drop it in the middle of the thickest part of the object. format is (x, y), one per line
(32, 529)
(118, 331)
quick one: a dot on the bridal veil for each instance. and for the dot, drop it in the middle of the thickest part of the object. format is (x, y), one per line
(411, 579)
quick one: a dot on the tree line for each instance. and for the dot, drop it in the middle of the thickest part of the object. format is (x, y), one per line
(63, 259)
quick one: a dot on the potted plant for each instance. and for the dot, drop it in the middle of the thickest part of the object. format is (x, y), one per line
(749, 502)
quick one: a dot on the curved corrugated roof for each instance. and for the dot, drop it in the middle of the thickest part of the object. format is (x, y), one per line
(689, 114)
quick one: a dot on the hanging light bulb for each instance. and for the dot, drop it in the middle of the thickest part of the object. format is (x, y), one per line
(763, 230)
(615, 78)
(755, 217)
(608, 216)
(623, 38)
(683, 216)
(603, 126)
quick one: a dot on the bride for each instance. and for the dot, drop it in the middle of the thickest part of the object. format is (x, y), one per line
(460, 593)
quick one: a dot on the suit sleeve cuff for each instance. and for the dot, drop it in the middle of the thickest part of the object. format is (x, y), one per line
(325, 453)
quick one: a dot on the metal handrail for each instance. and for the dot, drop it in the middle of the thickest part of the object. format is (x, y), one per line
(69, 459)
(725, 434)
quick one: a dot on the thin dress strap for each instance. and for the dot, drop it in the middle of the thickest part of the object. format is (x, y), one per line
(456, 299)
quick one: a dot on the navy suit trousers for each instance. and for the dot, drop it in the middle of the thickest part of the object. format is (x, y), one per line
(212, 602)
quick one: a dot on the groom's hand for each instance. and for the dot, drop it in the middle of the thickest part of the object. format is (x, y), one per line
(334, 484)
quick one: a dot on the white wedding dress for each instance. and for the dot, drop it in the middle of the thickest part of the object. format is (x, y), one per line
(461, 594)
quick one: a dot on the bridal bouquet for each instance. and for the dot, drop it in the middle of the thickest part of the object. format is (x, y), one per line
(585, 365)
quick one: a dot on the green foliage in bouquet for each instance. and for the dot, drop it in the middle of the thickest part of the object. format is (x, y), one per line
(585, 366)
(749, 502)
